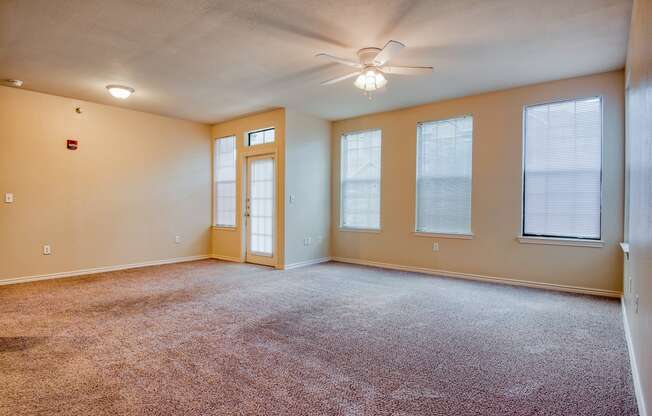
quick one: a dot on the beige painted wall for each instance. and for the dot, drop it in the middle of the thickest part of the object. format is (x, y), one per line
(496, 206)
(229, 243)
(639, 230)
(308, 180)
(136, 181)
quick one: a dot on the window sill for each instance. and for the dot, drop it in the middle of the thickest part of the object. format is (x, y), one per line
(444, 235)
(359, 230)
(222, 228)
(576, 242)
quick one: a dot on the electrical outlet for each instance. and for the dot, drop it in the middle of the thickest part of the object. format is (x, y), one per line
(9, 198)
(177, 239)
(636, 304)
(435, 246)
(47, 250)
(307, 241)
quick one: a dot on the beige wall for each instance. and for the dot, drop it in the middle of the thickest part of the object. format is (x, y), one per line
(639, 203)
(136, 181)
(229, 243)
(307, 179)
(496, 206)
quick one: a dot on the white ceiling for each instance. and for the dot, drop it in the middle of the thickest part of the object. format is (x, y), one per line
(210, 60)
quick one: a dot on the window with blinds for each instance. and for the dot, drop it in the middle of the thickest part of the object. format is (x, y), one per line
(360, 180)
(562, 175)
(444, 166)
(225, 174)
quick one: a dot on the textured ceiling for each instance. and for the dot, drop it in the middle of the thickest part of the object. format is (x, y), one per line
(213, 60)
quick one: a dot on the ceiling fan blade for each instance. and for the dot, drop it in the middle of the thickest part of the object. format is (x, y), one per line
(342, 78)
(391, 49)
(408, 70)
(339, 60)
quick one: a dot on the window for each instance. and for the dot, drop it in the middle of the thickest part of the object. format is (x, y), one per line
(360, 180)
(261, 136)
(444, 150)
(225, 173)
(562, 169)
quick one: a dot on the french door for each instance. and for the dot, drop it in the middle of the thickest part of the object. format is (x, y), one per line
(260, 210)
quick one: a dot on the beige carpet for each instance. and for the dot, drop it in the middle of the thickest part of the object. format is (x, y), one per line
(215, 338)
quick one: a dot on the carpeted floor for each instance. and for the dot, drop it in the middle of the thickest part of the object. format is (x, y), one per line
(216, 338)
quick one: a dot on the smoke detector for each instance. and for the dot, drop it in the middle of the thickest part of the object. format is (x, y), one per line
(13, 83)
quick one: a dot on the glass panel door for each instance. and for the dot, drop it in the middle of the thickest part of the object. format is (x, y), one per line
(260, 210)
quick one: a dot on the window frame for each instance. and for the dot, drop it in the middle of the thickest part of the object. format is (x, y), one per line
(249, 133)
(215, 182)
(341, 226)
(552, 239)
(464, 236)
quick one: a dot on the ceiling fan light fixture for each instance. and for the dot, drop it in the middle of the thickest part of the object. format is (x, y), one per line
(370, 80)
(372, 67)
(120, 91)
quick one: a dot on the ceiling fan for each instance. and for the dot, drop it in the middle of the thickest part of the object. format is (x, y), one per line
(372, 67)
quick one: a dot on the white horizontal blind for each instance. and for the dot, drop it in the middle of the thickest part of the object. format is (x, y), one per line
(444, 165)
(262, 136)
(360, 180)
(225, 173)
(563, 169)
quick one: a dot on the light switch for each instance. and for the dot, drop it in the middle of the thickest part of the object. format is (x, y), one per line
(292, 198)
(9, 198)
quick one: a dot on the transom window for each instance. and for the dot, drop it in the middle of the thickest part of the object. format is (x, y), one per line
(360, 180)
(562, 169)
(444, 153)
(225, 176)
(261, 136)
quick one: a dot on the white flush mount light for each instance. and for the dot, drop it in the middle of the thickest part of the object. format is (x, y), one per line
(120, 91)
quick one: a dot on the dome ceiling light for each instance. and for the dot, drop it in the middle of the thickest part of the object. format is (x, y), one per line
(120, 91)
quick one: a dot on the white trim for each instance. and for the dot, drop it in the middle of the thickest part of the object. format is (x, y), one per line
(638, 390)
(469, 276)
(83, 272)
(553, 241)
(227, 258)
(359, 230)
(304, 263)
(462, 236)
(225, 228)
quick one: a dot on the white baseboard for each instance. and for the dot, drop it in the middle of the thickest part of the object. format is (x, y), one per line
(104, 269)
(514, 282)
(305, 263)
(227, 258)
(640, 400)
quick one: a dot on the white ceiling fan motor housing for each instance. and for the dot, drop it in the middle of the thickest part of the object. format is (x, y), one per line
(367, 56)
